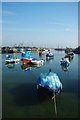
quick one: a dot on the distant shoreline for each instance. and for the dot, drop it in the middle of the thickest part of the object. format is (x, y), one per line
(20, 49)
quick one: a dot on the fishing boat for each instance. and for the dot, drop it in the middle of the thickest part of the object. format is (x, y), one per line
(11, 59)
(65, 62)
(50, 81)
(26, 57)
(36, 61)
(49, 55)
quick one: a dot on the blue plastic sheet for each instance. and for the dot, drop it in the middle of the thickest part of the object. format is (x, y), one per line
(49, 80)
(26, 54)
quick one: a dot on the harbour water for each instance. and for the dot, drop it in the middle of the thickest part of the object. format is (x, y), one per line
(20, 98)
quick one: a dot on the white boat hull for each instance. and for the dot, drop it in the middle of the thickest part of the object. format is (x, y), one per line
(12, 61)
(36, 62)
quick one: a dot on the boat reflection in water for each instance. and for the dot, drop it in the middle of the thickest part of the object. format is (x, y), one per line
(10, 65)
(27, 67)
(65, 68)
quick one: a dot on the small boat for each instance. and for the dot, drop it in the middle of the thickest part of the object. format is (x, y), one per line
(36, 62)
(49, 55)
(11, 59)
(26, 57)
(69, 57)
(50, 81)
(70, 53)
(65, 62)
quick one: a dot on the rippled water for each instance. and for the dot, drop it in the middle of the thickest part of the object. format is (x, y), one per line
(20, 98)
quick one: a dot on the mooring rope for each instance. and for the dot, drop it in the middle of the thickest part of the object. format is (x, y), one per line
(55, 107)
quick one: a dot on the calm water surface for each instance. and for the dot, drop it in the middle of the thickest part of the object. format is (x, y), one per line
(20, 98)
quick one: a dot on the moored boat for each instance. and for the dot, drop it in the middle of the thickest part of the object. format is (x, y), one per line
(26, 57)
(11, 59)
(70, 53)
(49, 55)
(70, 57)
(50, 81)
(65, 62)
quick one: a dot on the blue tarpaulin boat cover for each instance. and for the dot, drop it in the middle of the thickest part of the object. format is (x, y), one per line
(49, 80)
(26, 54)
